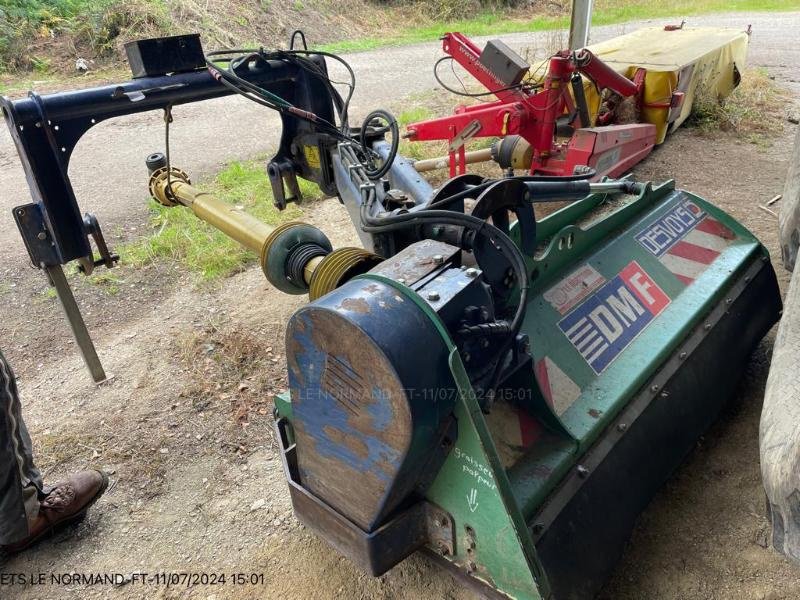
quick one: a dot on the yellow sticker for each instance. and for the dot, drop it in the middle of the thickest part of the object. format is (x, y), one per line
(312, 156)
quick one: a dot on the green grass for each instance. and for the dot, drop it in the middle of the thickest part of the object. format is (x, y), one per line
(605, 13)
(209, 254)
(93, 25)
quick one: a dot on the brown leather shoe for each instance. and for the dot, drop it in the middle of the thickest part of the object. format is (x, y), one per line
(66, 503)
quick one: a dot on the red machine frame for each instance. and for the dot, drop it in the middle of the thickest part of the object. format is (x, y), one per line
(522, 110)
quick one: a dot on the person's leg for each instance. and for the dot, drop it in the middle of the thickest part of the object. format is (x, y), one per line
(20, 480)
(28, 511)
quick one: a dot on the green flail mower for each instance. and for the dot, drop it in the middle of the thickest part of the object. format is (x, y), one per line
(641, 308)
(503, 392)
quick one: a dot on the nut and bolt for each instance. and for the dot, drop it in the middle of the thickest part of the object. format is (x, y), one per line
(582, 471)
(654, 388)
(438, 259)
(42, 235)
(664, 394)
(433, 296)
(707, 326)
(622, 427)
(682, 355)
(471, 272)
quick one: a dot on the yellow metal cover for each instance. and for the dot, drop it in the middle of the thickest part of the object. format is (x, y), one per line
(701, 61)
(693, 61)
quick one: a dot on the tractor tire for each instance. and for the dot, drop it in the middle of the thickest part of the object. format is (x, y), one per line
(780, 417)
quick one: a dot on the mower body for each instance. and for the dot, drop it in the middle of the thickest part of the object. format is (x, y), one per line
(642, 308)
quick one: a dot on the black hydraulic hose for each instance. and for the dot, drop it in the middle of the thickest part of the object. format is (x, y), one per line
(580, 99)
(394, 128)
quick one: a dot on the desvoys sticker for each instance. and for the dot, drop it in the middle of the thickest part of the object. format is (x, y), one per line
(609, 320)
(571, 290)
(667, 230)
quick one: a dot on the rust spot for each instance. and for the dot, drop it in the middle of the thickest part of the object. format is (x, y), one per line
(358, 305)
(372, 288)
(340, 438)
(594, 413)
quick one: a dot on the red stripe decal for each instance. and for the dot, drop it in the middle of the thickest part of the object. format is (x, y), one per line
(544, 381)
(714, 227)
(529, 428)
(684, 279)
(693, 252)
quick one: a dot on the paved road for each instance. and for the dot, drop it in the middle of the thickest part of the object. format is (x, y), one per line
(107, 167)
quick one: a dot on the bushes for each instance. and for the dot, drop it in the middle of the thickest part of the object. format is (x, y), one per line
(90, 26)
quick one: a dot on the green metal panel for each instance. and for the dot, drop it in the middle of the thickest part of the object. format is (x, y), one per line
(626, 251)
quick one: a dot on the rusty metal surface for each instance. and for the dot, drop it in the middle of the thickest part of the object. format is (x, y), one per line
(417, 261)
(365, 429)
(422, 524)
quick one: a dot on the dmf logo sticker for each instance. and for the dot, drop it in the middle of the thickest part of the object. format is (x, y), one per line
(608, 321)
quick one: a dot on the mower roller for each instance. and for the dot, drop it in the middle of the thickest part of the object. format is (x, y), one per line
(502, 392)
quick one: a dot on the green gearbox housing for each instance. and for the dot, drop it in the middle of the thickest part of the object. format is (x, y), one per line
(641, 309)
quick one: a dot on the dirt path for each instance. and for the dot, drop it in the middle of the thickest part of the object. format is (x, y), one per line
(207, 134)
(195, 490)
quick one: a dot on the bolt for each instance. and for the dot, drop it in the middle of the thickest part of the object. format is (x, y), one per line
(471, 273)
(707, 326)
(41, 235)
(21, 212)
(728, 300)
(583, 472)
(654, 388)
(433, 296)
(622, 427)
(664, 394)
(438, 259)
(682, 355)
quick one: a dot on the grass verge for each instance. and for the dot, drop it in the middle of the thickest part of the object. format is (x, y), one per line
(754, 111)
(608, 12)
(205, 251)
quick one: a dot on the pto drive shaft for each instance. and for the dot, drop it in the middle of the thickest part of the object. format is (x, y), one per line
(295, 257)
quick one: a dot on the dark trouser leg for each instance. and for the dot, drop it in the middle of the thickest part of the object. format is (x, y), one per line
(20, 480)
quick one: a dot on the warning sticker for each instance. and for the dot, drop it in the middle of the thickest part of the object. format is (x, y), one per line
(571, 290)
(686, 240)
(608, 321)
(665, 232)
